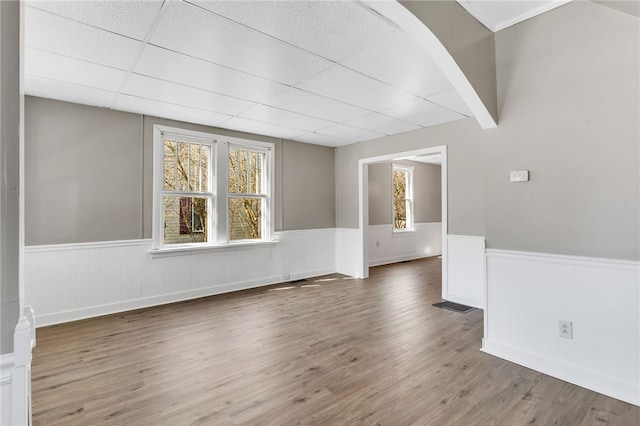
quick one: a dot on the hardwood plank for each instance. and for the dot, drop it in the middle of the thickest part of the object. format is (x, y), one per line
(325, 351)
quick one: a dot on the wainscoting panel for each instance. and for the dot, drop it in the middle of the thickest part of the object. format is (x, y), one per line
(386, 247)
(74, 281)
(15, 373)
(466, 270)
(347, 251)
(529, 293)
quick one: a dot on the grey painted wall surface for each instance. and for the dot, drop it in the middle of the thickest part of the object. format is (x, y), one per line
(10, 128)
(569, 107)
(427, 192)
(89, 175)
(83, 180)
(469, 42)
(569, 102)
(308, 180)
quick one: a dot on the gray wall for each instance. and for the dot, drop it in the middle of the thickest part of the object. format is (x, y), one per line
(89, 175)
(568, 100)
(82, 174)
(427, 192)
(309, 178)
(469, 42)
(10, 128)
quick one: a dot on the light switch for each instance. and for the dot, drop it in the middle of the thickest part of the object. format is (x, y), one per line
(519, 176)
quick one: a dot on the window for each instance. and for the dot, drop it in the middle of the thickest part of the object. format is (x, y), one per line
(210, 190)
(402, 198)
(186, 192)
(247, 193)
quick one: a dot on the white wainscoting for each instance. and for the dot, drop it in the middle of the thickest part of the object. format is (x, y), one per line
(466, 270)
(74, 281)
(386, 247)
(15, 374)
(347, 251)
(528, 293)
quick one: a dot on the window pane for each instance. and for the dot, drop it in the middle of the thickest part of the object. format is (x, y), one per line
(194, 167)
(245, 218)
(182, 169)
(169, 165)
(246, 171)
(234, 169)
(185, 220)
(399, 185)
(204, 161)
(400, 214)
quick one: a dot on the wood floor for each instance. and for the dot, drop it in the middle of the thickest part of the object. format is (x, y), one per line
(326, 351)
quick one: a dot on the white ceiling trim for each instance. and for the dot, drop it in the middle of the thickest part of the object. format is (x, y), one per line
(430, 44)
(474, 7)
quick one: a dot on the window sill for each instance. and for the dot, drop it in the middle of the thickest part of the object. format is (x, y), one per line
(403, 232)
(189, 249)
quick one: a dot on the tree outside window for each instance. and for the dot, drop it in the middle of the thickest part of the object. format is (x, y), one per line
(402, 177)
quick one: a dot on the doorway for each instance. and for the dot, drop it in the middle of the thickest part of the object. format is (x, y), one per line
(363, 204)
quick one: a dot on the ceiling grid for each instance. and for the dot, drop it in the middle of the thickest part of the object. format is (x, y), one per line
(329, 73)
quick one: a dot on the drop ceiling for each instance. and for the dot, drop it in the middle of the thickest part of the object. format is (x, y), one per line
(324, 72)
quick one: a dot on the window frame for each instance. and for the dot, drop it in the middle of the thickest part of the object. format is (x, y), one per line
(267, 188)
(409, 200)
(218, 169)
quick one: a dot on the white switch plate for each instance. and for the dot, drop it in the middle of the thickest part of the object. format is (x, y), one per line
(519, 176)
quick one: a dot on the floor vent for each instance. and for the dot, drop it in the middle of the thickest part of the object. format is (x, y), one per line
(455, 307)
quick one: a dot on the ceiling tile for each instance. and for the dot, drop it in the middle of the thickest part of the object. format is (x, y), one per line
(404, 65)
(35, 86)
(316, 105)
(331, 29)
(318, 139)
(423, 113)
(129, 18)
(172, 66)
(354, 88)
(382, 124)
(43, 64)
(166, 110)
(349, 133)
(218, 40)
(450, 99)
(282, 117)
(60, 35)
(260, 128)
(166, 91)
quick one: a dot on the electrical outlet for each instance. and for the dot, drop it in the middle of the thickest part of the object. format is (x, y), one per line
(287, 277)
(377, 244)
(565, 329)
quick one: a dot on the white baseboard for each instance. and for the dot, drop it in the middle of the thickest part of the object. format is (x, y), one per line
(529, 293)
(145, 302)
(624, 391)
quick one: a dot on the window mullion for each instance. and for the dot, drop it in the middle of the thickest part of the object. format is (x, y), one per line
(221, 208)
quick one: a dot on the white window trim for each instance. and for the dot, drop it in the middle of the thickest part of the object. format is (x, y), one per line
(269, 185)
(218, 170)
(409, 191)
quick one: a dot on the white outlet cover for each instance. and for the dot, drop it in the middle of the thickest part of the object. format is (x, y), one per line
(565, 329)
(519, 176)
